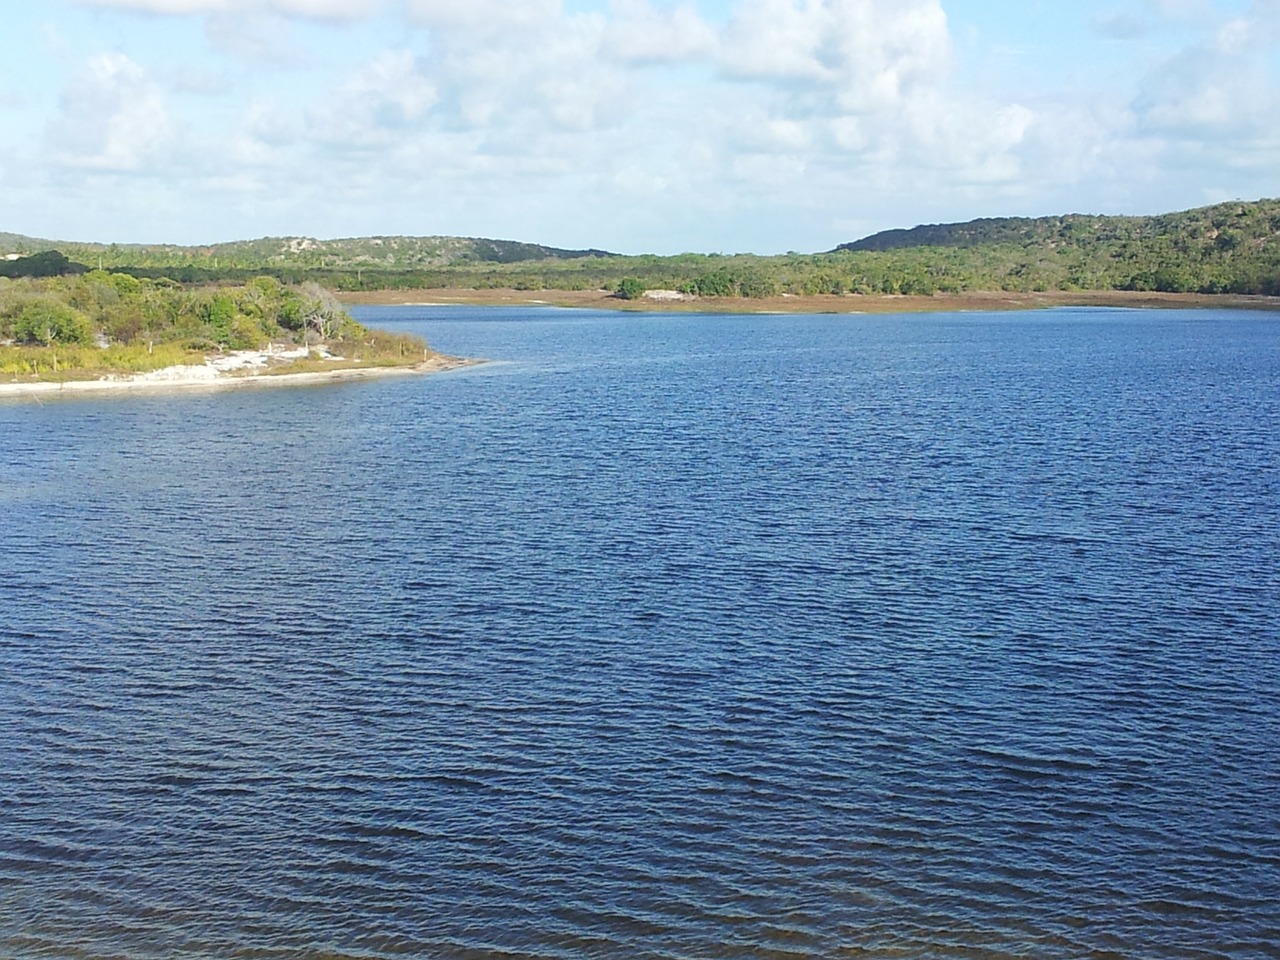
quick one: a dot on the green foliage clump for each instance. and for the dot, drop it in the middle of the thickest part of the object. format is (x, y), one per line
(119, 308)
(102, 322)
(49, 263)
(629, 288)
(45, 321)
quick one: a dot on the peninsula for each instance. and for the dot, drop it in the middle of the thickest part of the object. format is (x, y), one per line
(97, 330)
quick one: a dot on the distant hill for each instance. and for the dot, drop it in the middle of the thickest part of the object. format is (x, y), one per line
(13, 243)
(1220, 225)
(1231, 248)
(386, 253)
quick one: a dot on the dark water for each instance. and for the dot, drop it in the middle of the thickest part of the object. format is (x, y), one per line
(949, 636)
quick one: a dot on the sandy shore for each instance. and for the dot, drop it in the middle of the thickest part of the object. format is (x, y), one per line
(237, 369)
(822, 303)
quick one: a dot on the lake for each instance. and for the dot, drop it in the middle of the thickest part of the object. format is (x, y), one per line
(941, 636)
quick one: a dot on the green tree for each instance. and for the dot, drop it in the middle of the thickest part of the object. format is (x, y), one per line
(219, 312)
(48, 322)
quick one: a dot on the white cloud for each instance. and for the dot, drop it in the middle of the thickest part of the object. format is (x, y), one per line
(870, 49)
(638, 32)
(266, 137)
(377, 102)
(1126, 25)
(489, 16)
(520, 72)
(1221, 90)
(256, 37)
(777, 39)
(317, 9)
(562, 120)
(868, 84)
(113, 117)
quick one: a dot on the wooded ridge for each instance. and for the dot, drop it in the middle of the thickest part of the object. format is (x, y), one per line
(1225, 248)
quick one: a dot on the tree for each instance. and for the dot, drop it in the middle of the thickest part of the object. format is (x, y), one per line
(50, 263)
(48, 322)
(322, 312)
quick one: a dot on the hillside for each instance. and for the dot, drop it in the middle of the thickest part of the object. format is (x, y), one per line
(388, 253)
(1222, 226)
(1226, 248)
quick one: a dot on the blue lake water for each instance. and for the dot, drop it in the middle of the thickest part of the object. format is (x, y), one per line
(662, 636)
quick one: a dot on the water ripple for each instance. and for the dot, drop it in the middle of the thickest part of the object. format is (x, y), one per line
(671, 637)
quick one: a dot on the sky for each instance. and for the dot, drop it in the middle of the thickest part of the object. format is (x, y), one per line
(637, 126)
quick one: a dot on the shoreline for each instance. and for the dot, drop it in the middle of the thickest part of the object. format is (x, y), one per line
(199, 378)
(848, 303)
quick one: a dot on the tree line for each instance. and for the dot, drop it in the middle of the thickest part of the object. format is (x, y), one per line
(104, 308)
(1226, 248)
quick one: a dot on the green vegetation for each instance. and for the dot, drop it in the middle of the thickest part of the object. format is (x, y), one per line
(98, 322)
(48, 263)
(296, 255)
(1227, 248)
(629, 288)
(59, 361)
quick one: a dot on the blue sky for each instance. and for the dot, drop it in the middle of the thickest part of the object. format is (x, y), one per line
(633, 125)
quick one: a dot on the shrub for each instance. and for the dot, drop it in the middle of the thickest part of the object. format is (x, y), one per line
(630, 289)
(47, 322)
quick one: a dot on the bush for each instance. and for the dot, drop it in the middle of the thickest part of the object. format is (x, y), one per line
(47, 322)
(630, 289)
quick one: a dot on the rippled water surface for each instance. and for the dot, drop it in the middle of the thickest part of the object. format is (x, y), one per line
(883, 637)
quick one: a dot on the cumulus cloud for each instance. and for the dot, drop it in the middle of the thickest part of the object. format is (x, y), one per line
(266, 136)
(1223, 87)
(1146, 18)
(1122, 26)
(523, 70)
(862, 66)
(378, 101)
(639, 32)
(317, 9)
(872, 49)
(256, 37)
(868, 83)
(652, 111)
(113, 117)
(490, 16)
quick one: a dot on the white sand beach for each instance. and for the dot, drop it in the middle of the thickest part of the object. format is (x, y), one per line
(238, 368)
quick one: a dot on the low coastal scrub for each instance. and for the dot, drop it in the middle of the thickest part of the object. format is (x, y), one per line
(98, 324)
(105, 308)
(77, 361)
(377, 348)
(1231, 248)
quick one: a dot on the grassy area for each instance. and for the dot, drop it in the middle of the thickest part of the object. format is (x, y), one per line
(78, 362)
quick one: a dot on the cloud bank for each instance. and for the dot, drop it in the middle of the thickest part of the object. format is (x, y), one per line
(642, 124)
